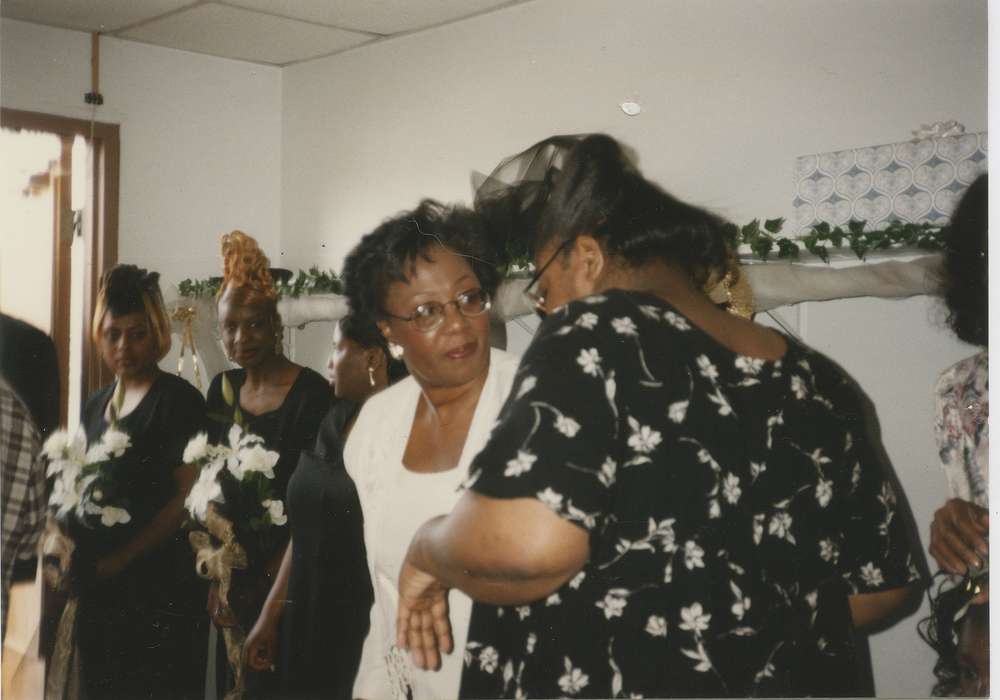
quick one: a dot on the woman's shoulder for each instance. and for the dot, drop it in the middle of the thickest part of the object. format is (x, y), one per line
(969, 370)
(95, 403)
(235, 377)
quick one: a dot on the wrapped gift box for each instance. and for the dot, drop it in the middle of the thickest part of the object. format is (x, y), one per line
(914, 182)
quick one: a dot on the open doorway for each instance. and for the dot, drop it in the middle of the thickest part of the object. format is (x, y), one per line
(59, 234)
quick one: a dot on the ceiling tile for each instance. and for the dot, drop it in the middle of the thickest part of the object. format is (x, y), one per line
(88, 15)
(380, 17)
(231, 32)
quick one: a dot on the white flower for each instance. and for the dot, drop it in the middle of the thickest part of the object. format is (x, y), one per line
(818, 459)
(590, 360)
(550, 498)
(742, 603)
(112, 516)
(643, 438)
(624, 326)
(65, 494)
(608, 470)
(508, 672)
(693, 555)
(676, 320)
(829, 551)
(197, 449)
(714, 510)
(811, 599)
(553, 599)
(97, 453)
(731, 488)
(756, 469)
(527, 385)
(235, 434)
(694, 619)
(677, 411)
(665, 531)
(56, 444)
(614, 602)
(610, 387)
(587, 320)
(116, 441)
(520, 464)
(205, 489)
(656, 626)
(575, 582)
(574, 679)
(758, 528)
(650, 311)
(707, 369)
(488, 659)
(275, 511)
(824, 491)
(668, 572)
(256, 459)
(798, 387)
(523, 611)
(749, 365)
(567, 426)
(529, 644)
(855, 474)
(872, 575)
(781, 526)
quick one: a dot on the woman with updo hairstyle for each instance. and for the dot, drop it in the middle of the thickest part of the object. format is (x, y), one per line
(675, 501)
(427, 277)
(275, 398)
(140, 627)
(320, 600)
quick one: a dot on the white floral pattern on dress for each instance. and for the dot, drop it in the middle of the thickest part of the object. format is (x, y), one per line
(711, 533)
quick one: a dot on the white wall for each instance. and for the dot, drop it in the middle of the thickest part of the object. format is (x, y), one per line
(732, 91)
(200, 139)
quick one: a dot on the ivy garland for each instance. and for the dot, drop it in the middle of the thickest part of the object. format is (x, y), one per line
(762, 239)
(313, 281)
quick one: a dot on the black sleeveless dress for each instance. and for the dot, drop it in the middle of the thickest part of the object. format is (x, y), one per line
(325, 619)
(143, 633)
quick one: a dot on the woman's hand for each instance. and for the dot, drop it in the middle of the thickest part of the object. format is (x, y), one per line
(258, 650)
(422, 624)
(959, 535)
(221, 615)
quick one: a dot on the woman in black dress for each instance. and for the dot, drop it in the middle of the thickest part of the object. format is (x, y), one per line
(275, 398)
(140, 629)
(321, 598)
(675, 501)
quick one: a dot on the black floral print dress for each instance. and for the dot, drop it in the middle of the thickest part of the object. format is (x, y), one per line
(733, 504)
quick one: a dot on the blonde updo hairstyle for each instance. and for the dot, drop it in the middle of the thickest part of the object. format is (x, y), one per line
(129, 289)
(246, 275)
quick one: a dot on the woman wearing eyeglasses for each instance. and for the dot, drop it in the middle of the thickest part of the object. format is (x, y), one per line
(424, 275)
(674, 502)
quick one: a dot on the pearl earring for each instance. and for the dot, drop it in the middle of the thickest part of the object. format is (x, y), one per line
(396, 351)
(371, 375)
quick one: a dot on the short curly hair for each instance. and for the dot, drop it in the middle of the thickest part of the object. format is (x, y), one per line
(966, 266)
(389, 253)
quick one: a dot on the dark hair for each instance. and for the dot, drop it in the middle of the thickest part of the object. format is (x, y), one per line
(966, 266)
(127, 289)
(365, 333)
(941, 629)
(598, 191)
(389, 253)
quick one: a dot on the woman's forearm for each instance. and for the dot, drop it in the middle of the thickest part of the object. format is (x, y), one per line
(456, 559)
(276, 598)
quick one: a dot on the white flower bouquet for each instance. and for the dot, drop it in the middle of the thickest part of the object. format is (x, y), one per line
(87, 482)
(238, 477)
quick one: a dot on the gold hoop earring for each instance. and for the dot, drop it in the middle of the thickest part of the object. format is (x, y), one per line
(371, 375)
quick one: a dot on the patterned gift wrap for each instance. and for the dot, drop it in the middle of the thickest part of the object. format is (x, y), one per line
(913, 182)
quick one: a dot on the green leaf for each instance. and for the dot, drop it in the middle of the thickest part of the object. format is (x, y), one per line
(762, 247)
(855, 226)
(774, 225)
(860, 247)
(788, 249)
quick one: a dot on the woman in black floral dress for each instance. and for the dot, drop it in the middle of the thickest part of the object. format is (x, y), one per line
(675, 501)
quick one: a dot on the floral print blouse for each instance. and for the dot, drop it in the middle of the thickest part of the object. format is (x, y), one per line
(962, 427)
(732, 505)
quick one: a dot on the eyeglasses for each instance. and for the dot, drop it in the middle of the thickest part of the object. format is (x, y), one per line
(428, 317)
(534, 298)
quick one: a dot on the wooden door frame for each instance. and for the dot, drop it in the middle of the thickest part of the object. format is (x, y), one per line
(100, 231)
